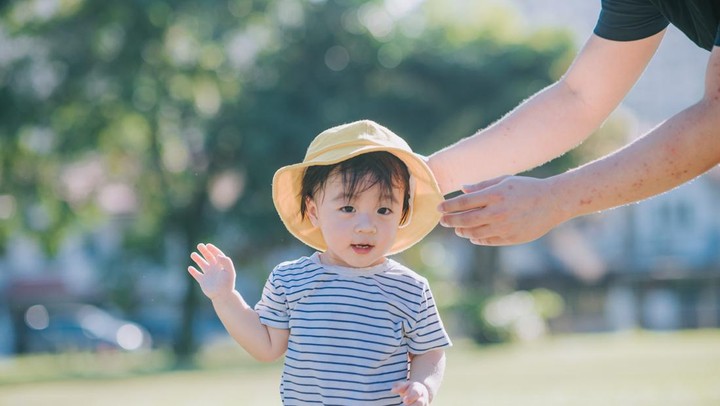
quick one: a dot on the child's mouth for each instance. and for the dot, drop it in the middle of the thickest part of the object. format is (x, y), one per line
(361, 248)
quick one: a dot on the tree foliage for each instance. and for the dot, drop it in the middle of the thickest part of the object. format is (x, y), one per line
(169, 118)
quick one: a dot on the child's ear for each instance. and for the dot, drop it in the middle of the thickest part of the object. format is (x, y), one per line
(311, 211)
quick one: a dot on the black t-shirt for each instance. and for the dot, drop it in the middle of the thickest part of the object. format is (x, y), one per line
(628, 20)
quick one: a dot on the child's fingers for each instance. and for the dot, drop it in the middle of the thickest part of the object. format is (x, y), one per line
(411, 399)
(195, 273)
(215, 250)
(200, 261)
(210, 257)
(400, 388)
(410, 394)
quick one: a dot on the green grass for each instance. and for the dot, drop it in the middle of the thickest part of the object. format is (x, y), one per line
(629, 369)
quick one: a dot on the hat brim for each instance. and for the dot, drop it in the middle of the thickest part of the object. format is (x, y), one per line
(424, 215)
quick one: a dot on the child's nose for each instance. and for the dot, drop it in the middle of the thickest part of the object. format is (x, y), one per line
(364, 224)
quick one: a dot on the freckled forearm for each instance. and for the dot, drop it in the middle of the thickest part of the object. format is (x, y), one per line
(673, 153)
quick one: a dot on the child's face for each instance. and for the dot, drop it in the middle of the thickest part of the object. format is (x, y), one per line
(359, 232)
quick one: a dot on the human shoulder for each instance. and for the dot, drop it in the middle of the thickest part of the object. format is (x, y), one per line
(402, 272)
(301, 264)
(628, 20)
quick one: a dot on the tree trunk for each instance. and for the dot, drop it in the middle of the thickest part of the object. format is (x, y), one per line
(186, 345)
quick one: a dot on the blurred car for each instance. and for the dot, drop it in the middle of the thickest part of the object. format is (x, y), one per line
(80, 327)
(165, 324)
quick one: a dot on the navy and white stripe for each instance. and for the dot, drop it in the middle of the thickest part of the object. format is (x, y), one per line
(350, 329)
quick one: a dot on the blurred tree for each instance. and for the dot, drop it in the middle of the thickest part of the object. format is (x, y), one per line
(168, 119)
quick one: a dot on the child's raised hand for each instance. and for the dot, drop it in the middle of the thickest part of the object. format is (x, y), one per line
(412, 393)
(218, 273)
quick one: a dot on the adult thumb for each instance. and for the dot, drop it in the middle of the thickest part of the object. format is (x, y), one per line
(484, 184)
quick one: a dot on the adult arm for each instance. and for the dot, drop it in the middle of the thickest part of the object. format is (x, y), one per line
(217, 281)
(678, 150)
(516, 210)
(552, 121)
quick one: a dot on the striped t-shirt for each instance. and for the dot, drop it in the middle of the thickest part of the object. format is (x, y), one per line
(350, 329)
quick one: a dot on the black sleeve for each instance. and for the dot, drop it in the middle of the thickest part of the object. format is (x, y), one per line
(717, 37)
(628, 20)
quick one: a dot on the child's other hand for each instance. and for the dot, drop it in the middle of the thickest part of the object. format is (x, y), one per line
(412, 393)
(218, 273)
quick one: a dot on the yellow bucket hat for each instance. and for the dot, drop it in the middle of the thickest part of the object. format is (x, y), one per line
(339, 144)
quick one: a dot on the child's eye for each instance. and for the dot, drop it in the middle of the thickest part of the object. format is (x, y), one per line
(347, 209)
(384, 210)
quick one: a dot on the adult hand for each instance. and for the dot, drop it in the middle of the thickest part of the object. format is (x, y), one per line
(504, 211)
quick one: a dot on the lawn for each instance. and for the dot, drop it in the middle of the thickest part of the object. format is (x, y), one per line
(608, 369)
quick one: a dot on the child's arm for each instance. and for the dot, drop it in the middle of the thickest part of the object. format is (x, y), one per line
(217, 281)
(426, 374)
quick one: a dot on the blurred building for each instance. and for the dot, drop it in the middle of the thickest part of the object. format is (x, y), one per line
(654, 264)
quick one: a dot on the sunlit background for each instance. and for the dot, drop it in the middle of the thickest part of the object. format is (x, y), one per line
(132, 130)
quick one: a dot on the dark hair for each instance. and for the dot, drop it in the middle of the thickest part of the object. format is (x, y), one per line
(359, 174)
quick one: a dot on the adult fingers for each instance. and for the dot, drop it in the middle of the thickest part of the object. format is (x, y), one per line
(483, 185)
(482, 232)
(473, 217)
(489, 241)
(464, 202)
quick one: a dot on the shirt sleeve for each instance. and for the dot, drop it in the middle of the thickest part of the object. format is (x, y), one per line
(272, 307)
(428, 332)
(629, 20)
